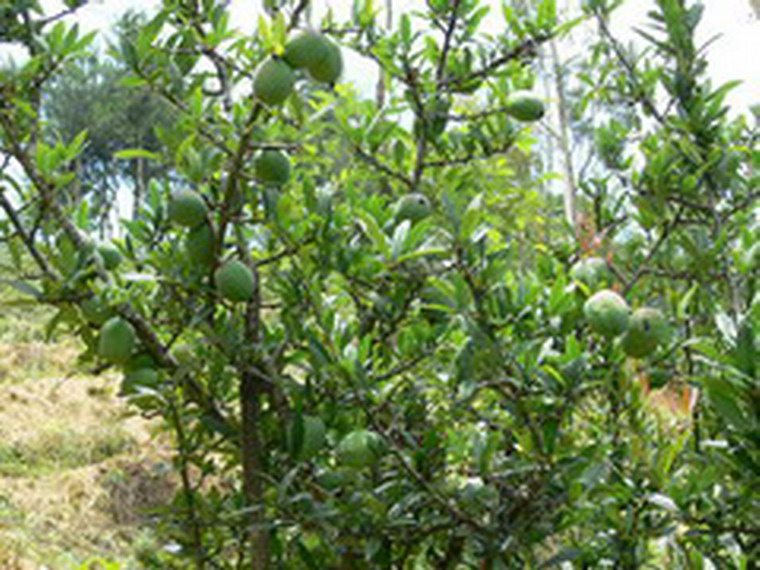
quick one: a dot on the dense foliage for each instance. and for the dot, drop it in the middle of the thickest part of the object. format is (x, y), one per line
(367, 323)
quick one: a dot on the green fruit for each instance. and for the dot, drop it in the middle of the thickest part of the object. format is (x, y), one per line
(117, 340)
(307, 50)
(273, 82)
(591, 271)
(95, 312)
(607, 313)
(199, 245)
(307, 444)
(142, 377)
(525, 107)
(315, 53)
(361, 448)
(110, 255)
(187, 208)
(139, 361)
(183, 354)
(272, 167)
(412, 207)
(647, 329)
(328, 69)
(234, 281)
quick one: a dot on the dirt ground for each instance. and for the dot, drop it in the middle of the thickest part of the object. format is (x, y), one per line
(78, 473)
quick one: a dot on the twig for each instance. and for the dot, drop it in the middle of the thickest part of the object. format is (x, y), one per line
(374, 162)
(524, 50)
(652, 252)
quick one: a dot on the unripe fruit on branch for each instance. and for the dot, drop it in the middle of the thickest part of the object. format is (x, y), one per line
(234, 280)
(110, 256)
(308, 49)
(328, 69)
(187, 208)
(647, 329)
(607, 313)
(412, 207)
(133, 379)
(272, 167)
(199, 245)
(361, 448)
(117, 340)
(525, 107)
(273, 82)
(183, 354)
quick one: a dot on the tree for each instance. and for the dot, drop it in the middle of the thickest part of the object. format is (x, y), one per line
(90, 95)
(383, 362)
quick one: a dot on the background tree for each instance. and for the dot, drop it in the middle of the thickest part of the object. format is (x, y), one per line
(90, 95)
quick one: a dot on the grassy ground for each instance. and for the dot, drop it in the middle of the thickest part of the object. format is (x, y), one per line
(78, 473)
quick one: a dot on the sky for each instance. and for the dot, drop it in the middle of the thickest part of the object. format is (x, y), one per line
(734, 55)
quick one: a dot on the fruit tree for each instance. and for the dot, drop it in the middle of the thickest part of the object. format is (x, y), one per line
(368, 327)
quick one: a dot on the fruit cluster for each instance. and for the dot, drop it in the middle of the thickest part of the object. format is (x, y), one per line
(608, 314)
(309, 51)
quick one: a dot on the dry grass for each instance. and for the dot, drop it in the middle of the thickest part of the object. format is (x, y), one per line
(77, 473)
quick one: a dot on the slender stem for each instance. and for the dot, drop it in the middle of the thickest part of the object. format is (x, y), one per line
(187, 487)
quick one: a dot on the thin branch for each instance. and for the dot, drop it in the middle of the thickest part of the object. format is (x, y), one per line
(26, 238)
(447, 38)
(467, 158)
(295, 16)
(525, 50)
(632, 74)
(374, 162)
(68, 12)
(652, 252)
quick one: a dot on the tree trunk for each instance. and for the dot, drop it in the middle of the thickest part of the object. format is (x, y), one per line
(382, 77)
(252, 451)
(77, 187)
(139, 176)
(564, 141)
(252, 444)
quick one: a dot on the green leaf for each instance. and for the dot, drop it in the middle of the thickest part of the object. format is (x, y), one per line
(472, 217)
(725, 398)
(726, 326)
(663, 501)
(399, 238)
(83, 216)
(683, 304)
(23, 287)
(405, 25)
(374, 233)
(132, 153)
(744, 352)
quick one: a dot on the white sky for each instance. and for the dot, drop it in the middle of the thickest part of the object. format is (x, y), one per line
(735, 55)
